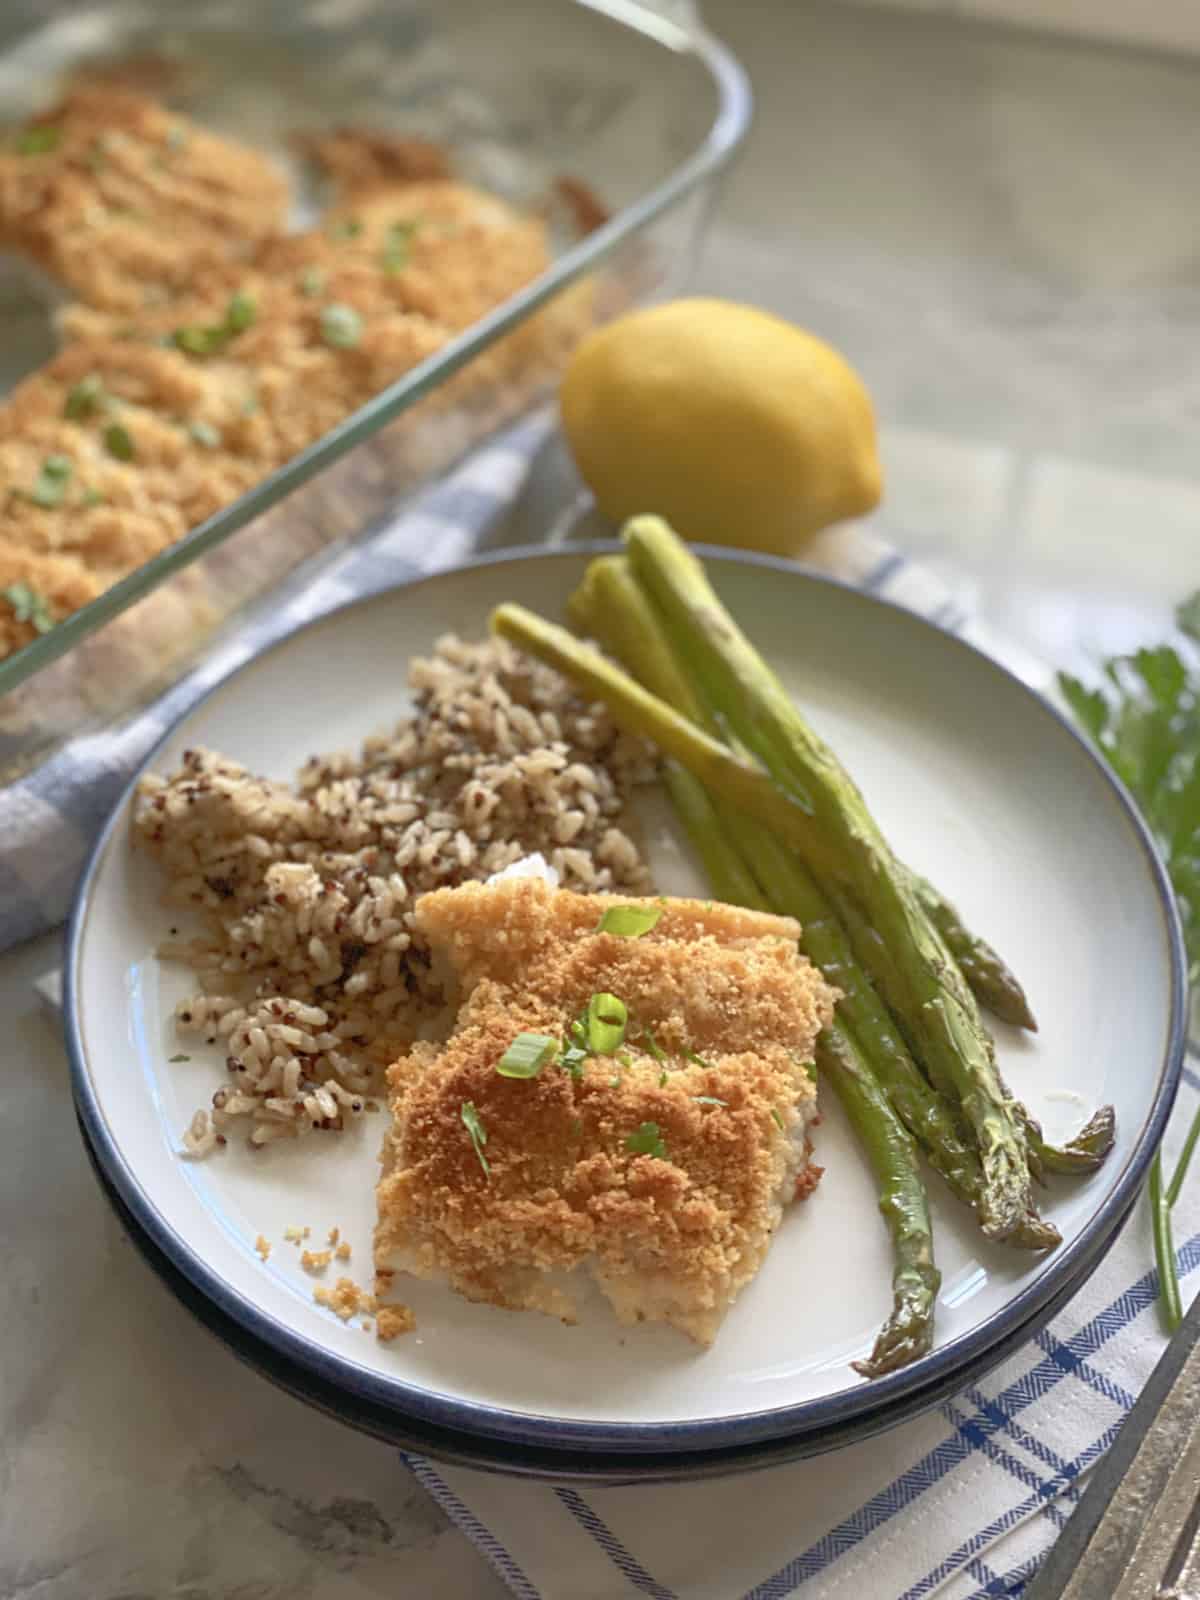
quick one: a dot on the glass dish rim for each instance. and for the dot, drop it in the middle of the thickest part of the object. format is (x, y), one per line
(725, 134)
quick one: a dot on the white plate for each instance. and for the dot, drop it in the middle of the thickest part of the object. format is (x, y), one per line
(978, 784)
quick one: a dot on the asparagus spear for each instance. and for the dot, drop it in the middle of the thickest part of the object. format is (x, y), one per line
(908, 1332)
(642, 713)
(611, 606)
(728, 874)
(926, 988)
(992, 982)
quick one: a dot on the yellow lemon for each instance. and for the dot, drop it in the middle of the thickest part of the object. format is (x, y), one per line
(738, 427)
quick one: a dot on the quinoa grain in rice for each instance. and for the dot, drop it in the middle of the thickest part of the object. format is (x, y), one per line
(310, 978)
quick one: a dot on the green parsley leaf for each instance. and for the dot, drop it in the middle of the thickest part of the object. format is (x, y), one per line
(119, 442)
(52, 480)
(698, 1060)
(477, 1131)
(777, 1119)
(29, 606)
(39, 140)
(1143, 714)
(341, 326)
(607, 1017)
(92, 497)
(527, 1055)
(628, 922)
(312, 281)
(647, 1140)
(810, 1068)
(708, 1100)
(204, 433)
(83, 398)
(662, 1078)
(173, 1059)
(345, 228)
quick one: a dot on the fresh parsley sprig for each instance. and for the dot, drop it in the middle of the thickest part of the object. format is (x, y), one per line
(1144, 717)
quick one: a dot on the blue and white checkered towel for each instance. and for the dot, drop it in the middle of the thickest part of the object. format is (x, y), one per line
(960, 1503)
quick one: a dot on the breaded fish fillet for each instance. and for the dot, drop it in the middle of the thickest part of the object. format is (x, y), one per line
(660, 1171)
(125, 203)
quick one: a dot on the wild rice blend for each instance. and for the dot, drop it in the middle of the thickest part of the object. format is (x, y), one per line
(309, 974)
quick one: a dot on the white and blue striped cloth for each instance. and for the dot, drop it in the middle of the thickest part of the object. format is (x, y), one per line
(961, 1503)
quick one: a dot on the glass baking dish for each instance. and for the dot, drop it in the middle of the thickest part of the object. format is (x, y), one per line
(632, 103)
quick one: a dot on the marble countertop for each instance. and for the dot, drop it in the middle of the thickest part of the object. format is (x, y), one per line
(1000, 231)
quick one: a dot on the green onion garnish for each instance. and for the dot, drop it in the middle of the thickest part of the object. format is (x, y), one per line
(651, 1045)
(52, 482)
(647, 1140)
(199, 341)
(628, 922)
(29, 606)
(312, 281)
(699, 1060)
(605, 1020)
(38, 141)
(195, 341)
(83, 398)
(118, 442)
(708, 1100)
(778, 1119)
(527, 1055)
(811, 1068)
(240, 312)
(662, 1078)
(396, 250)
(341, 326)
(477, 1132)
(204, 433)
(572, 1059)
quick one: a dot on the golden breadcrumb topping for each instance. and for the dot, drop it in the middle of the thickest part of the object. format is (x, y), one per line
(662, 1169)
(345, 1299)
(392, 1321)
(205, 346)
(113, 195)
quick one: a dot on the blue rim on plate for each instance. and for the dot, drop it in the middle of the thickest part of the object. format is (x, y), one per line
(851, 1412)
(545, 1463)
